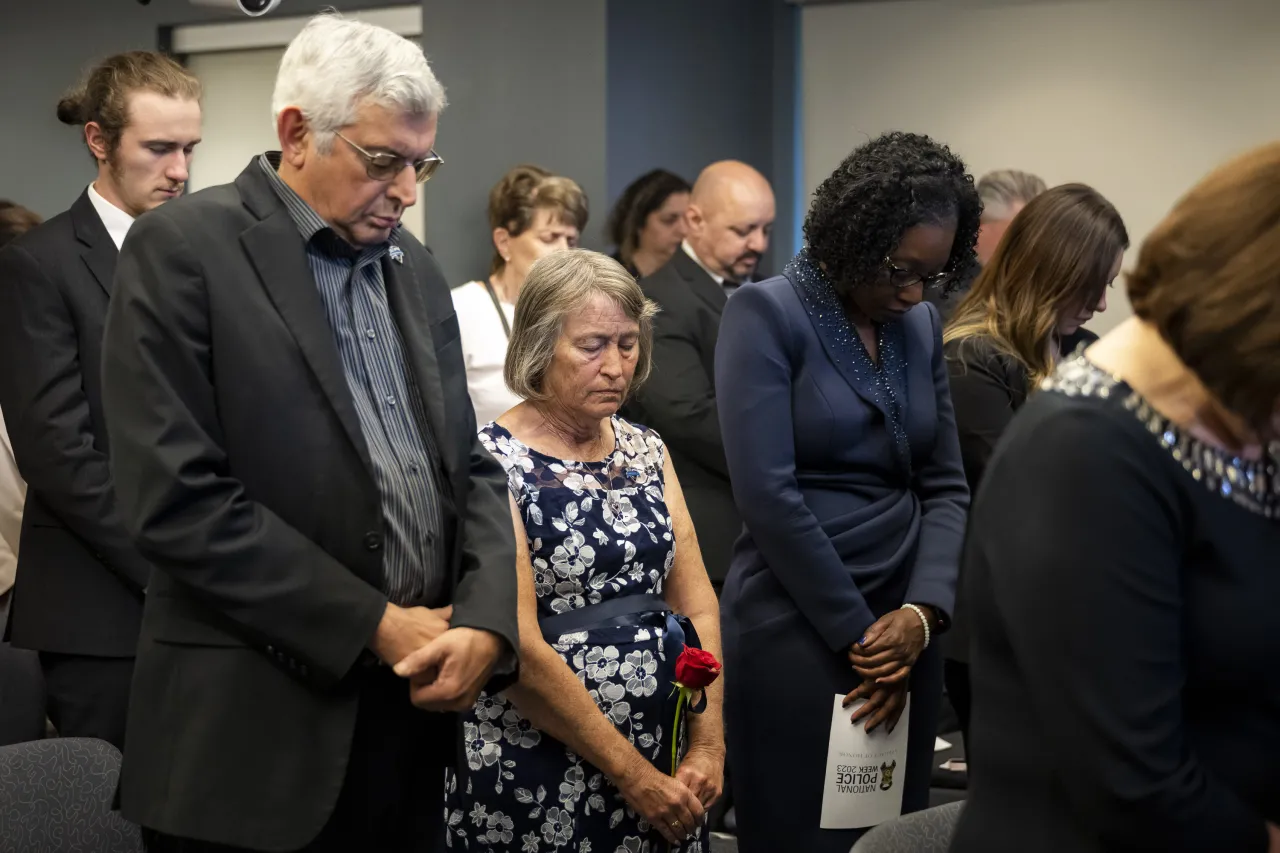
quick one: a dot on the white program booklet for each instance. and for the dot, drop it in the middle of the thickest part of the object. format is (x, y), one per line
(863, 785)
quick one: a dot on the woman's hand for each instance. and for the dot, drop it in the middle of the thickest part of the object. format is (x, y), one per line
(664, 801)
(1273, 838)
(884, 704)
(889, 649)
(703, 772)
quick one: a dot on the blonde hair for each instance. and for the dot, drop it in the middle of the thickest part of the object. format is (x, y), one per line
(1055, 257)
(516, 199)
(557, 286)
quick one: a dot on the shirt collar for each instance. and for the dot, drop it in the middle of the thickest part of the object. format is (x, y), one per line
(310, 224)
(719, 279)
(116, 221)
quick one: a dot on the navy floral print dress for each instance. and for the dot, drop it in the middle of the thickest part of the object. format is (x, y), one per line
(596, 531)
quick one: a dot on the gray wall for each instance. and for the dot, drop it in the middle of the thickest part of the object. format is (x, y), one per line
(600, 90)
(695, 82)
(526, 83)
(45, 45)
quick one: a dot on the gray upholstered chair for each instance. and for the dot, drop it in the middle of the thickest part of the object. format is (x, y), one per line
(55, 797)
(928, 831)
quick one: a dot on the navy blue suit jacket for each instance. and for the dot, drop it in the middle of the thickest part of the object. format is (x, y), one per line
(831, 522)
(839, 530)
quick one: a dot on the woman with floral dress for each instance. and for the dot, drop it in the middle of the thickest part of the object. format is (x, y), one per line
(579, 754)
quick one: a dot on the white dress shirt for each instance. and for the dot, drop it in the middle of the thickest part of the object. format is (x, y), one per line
(117, 221)
(13, 493)
(484, 349)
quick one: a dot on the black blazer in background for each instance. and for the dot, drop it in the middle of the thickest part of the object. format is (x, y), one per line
(80, 578)
(245, 477)
(987, 387)
(679, 401)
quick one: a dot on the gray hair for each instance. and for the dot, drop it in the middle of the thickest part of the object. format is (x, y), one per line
(336, 65)
(557, 286)
(1005, 189)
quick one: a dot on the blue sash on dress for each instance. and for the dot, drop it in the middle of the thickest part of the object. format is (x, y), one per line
(624, 612)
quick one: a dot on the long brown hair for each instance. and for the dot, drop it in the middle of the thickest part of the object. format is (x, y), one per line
(103, 96)
(1056, 257)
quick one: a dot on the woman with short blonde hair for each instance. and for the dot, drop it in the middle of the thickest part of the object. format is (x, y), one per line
(531, 214)
(579, 753)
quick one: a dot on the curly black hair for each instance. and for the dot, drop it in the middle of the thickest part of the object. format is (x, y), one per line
(890, 184)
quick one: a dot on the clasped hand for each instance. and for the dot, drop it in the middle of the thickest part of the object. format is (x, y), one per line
(884, 658)
(446, 666)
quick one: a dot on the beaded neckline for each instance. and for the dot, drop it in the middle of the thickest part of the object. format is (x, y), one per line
(1252, 484)
(877, 379)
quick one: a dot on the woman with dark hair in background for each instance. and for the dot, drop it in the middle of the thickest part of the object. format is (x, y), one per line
(647, 222)
(15, 220)
(1121, 561)
(842, 450)
(1046, 278)
(532, 213)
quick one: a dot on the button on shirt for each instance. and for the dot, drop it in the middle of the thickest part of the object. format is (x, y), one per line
(387, 401)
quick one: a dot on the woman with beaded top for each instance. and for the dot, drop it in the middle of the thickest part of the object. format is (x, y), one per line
(842, 449)
(1122, 561)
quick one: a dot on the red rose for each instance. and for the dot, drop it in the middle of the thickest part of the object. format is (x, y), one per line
(696, 669)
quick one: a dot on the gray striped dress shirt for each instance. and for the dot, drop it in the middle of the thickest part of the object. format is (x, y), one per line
(388, 403)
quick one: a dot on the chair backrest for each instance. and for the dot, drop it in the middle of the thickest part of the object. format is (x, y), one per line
(928, 831)
(56, 795)
(21, 696)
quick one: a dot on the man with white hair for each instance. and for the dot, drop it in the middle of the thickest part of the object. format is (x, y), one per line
(296, 454)
(1004, 192)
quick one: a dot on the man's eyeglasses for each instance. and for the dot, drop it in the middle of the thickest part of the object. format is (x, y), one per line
(384, 166)
(902, 279)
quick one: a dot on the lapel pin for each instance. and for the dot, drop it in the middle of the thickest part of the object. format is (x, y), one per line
(397, 254)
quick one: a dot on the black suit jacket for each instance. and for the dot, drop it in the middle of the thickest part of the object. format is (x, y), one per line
(245, 478)
(80, 578)
(679, 401)
(987, 387)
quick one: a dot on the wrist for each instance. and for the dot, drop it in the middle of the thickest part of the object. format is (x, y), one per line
(707, 746)
(629, 769)
(386, 630)
(923, 613)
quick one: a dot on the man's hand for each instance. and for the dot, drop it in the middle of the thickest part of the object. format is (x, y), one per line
(404, 630)
(448, 674)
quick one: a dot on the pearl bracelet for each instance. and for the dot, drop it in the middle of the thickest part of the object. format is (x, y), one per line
(923, 621)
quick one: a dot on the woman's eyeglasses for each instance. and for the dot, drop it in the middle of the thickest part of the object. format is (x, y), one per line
(902, 279)
(384, 167)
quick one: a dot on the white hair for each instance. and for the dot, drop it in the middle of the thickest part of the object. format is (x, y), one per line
(337, 65)
(1005, 189)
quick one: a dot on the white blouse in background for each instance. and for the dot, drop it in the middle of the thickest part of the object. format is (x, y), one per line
(484, 349)
(13, 493)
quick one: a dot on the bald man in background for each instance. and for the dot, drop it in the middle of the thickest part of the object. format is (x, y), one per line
(730, 216)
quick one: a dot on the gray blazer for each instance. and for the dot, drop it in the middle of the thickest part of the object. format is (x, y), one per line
(244, 477)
